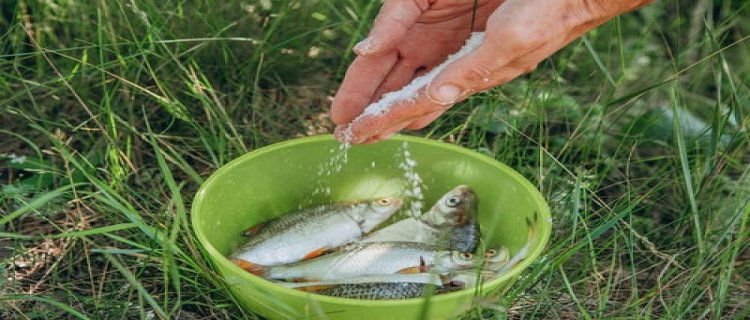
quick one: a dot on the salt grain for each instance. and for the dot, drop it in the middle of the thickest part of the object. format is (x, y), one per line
(414, 182)
(339, 157)
(409, 92)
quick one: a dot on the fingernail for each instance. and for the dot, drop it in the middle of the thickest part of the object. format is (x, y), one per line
(365, 47)
(445, 94)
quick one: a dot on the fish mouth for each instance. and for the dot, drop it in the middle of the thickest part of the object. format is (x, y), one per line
(395, 202)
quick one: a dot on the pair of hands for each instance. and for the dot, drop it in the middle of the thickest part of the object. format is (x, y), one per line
(409, 37)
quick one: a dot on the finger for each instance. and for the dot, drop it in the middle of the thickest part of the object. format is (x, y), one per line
(424, 120)
(402, 73)
(394, 20)
(390, 131)
(386, 134)
(362, 78)
(395, 118)
(478, 70)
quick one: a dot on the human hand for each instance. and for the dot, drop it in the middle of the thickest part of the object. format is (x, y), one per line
(409, 37)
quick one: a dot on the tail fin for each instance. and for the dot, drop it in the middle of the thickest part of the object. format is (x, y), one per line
(253, 268)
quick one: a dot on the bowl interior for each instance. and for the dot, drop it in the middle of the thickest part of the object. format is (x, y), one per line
(282, 178)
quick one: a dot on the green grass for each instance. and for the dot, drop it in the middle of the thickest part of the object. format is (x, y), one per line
(113, 112)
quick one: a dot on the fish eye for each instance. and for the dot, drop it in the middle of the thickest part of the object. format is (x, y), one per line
(453, 201)
(490, 253)
(467, 255)
(384, 201)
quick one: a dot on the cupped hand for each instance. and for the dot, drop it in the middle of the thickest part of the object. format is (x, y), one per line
(410, 37)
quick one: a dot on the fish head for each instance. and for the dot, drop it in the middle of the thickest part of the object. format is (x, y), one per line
(376, 212)
(446, 261)
(497, 255)
(457, 207)
(496, 258)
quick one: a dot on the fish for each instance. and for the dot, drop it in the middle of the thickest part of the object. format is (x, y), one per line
(394, 287)
(312, 286)
(450, 223)
(367, 259)
(311, 232)
(379, 290)
(495, 259)
(413, 285)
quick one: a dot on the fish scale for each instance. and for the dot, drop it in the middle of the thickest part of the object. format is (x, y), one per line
(378, 291)
(299, 235)
(359, 260)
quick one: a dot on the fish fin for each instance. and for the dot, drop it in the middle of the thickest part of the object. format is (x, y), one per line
(254, 230)
(315, 253)
(315, 288)
(421, 268)
(253, 268)
(410, 270)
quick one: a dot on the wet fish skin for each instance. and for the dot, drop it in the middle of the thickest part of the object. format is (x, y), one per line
(378, 291)
(294, 236)
(447, 261)
(427, 278)
(361, 259)
(465, 238)
(461, 271)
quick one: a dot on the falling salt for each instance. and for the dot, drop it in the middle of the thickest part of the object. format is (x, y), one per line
(339, 157)
(410, 91)
(414, 183)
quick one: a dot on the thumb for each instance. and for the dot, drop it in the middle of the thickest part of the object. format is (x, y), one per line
(394, 20)
(487, 66)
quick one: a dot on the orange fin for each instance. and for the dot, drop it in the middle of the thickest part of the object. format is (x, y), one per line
(417, 269)
(314, 254)
(248, 266)
(254, 230)
(316, 288)
(422, 267)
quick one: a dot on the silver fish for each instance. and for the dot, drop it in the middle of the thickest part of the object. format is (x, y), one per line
(308, 233)
(495, 259)
(451, 223)
(312, 286)
(405, 286)
(376, 258)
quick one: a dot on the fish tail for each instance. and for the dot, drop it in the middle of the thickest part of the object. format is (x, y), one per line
(253, 268)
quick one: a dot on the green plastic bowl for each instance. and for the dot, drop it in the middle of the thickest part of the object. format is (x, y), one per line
(283, 177)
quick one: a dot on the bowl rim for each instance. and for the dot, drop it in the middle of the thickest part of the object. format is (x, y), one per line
(215, 256)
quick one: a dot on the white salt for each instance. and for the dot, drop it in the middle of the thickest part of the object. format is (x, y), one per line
(414, 182)
(339, 157)
(409, 92)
